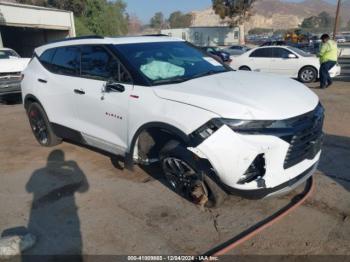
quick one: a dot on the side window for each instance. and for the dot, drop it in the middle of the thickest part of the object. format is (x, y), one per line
(98, 63)
(280, 52)
(262, 53)
(46, 58)
(66, 60)
(124, 76)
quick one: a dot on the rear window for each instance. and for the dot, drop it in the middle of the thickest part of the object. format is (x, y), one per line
(46, 57)
(66, 60)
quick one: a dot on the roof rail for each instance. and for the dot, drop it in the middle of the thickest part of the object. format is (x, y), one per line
(155, 35)
(78, 38)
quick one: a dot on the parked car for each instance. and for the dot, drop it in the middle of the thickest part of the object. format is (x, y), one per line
(153, 100)
(274, 43)
(11, 66)
(283, 60)
(340, 39)
(236, 50)
(216, 51)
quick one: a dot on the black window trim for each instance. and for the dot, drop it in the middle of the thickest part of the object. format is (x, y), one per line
(251, 55)
(284, 48)
(120, 64)
(105, 47)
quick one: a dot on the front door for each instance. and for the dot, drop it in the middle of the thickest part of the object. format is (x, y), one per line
(102, 111)
(284, 62)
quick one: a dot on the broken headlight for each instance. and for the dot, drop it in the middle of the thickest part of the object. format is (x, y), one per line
(206, 131)
(244, 126)
(252, 126)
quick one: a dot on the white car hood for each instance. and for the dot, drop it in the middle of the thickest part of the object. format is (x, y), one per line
(243, 95)
(13, 65)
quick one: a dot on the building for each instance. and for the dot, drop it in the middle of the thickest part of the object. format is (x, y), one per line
(206, 36)
(24, 27)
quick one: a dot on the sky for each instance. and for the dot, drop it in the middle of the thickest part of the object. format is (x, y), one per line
(145, 9)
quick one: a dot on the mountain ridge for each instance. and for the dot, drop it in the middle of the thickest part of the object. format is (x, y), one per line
(276, 14)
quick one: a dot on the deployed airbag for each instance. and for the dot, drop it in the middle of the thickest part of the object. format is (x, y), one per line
(161, 70)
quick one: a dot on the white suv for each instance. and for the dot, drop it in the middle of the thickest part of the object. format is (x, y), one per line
(161, 100)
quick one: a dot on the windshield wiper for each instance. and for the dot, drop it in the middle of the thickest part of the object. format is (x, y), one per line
(172, 80)
(181, 79)
(208, 73)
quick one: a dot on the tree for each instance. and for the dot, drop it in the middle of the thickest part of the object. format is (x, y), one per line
(320, 23)
(34, 2)
(236, 11)
(76, 6)
(157, 21)
(105, 18)
(179, 20)
(134, 25)
(101, 17)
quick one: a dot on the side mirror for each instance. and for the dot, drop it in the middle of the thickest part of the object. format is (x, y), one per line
(112, 86)
(292, 56)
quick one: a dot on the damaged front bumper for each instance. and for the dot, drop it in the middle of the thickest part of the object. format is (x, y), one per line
(233, 154)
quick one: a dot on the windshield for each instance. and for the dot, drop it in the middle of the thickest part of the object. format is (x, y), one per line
(300, 52)
(170, 62)
(6, 54)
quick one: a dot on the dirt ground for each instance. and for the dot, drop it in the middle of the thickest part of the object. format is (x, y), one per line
(77, 202)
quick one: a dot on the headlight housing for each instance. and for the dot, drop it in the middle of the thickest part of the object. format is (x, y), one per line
(252, 126)
(281, 128)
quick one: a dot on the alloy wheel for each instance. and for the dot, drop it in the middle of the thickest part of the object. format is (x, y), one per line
(307, 75)
(184, 179)
(38, 125)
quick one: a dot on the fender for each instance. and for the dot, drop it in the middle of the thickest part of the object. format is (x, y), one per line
(31, 97)
(129, 162)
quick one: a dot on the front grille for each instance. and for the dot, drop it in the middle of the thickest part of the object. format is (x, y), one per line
(307, 139)
(10, 76)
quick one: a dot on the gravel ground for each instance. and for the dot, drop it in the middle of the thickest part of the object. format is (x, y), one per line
(84, 205)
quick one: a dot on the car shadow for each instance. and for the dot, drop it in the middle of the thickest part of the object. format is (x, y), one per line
(335, 162)
(53, 217)
(12, 99)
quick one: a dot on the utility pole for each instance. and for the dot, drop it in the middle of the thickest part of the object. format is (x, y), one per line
(336, 23)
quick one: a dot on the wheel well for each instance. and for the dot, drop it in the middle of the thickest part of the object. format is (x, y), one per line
(29, 99)
(306, 67)
(148, 142)
(244, 67)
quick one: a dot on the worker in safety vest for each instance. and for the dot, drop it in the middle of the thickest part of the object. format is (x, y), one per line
(328, 58)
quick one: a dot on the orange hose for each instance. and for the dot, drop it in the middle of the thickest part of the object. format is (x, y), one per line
(256, 229)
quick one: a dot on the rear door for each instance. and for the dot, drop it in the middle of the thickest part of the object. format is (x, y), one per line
(102, 114)
(56, 84)
(260, 59)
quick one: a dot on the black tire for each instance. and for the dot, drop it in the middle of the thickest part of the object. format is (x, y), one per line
(307, 74)
(245, 68)
(201, 179)
(41, 127)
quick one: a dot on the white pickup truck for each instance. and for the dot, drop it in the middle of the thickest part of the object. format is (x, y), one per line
(11, 66)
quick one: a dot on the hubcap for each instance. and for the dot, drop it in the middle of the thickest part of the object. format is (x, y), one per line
(308, 75)
(38, 126)
(181, 177)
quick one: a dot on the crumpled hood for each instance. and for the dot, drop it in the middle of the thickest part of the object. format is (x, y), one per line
(243, 95)
(13, 65)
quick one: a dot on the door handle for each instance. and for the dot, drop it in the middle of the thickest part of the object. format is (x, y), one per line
(79, 91)
(42, 80)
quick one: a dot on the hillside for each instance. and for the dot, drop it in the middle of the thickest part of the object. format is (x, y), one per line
(276, 14)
